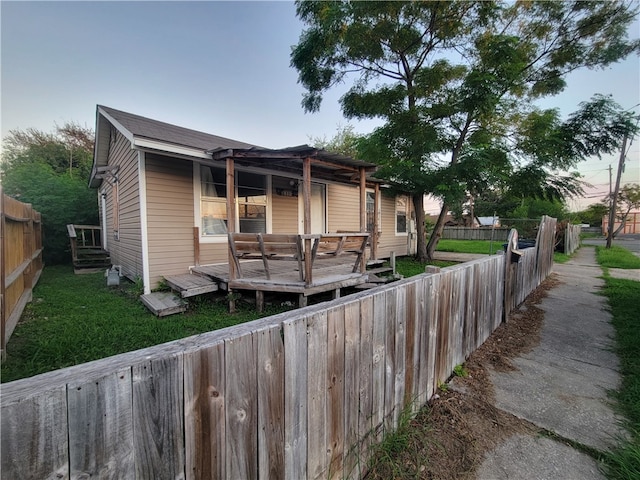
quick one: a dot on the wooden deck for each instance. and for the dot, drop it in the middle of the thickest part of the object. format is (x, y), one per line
(329, 274)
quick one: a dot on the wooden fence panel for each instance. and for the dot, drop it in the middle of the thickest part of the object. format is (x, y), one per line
(317, 395)
(241, 407)
(352, 389)
(572, 238)
(35, 441)
(101, 439)
(335, 386)
(204, 416)
(295, 402)
(20, 261)
(304, 394)
(468, 233)
(270, 403)
(158, 418)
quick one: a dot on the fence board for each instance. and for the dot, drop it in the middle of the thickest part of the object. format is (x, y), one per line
(351, 389)
(100, 427)
(335, 385)
(410, 352)
(34, 436)
(241, 407)
(366, 427)
(378, 343)
(158, 418)
(317, 395)
(205, 426)
(400, 354)
(270, 403)
(390, 418)
(295, 407)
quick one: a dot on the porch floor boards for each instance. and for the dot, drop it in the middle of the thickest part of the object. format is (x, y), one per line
(328, 274)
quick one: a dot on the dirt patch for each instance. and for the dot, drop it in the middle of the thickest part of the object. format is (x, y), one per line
(449, 437)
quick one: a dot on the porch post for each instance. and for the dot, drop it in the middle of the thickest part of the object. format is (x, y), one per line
(363, 215)
(231, 225)
(306, 199)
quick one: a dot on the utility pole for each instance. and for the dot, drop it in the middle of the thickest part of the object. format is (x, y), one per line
(614, 198)
(610, 174)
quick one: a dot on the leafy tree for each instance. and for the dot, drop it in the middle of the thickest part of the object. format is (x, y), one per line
(345, 141)
(51, 172)
(453, 82)
(593, 214)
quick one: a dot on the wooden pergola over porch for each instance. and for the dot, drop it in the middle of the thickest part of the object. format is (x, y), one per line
(309, 164)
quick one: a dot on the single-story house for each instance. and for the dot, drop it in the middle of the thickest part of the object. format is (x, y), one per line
(163, 194)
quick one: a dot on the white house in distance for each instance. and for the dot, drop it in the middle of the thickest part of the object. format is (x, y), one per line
(163, 196)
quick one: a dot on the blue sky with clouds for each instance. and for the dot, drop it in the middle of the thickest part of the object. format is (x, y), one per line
(219, 67)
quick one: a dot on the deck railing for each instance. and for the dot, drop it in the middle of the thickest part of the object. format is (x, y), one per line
(303, 394)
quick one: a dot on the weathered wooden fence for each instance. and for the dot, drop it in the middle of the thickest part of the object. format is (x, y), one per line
(572, 238)
(20, 261)
(302, 394)
(498, 234)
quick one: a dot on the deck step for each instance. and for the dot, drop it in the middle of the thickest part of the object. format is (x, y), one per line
(366, 286)
(375, 263)
(379, 270)
(162, 304)
(189, 285)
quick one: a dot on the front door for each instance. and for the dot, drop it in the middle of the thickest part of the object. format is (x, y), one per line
(318, 209)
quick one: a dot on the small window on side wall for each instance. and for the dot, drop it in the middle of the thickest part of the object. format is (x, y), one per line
(402, 214)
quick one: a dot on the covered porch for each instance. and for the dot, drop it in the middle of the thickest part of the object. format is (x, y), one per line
(306, 262)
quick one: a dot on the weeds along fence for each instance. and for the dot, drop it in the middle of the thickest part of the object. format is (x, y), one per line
(303, 394)
(20, 261)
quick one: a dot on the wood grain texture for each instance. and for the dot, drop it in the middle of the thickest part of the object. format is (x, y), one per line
(335, 391)
(241, 407)
(390, 361)
(270, 403)
(378, 343)
(351, 389)
(204, 415)
(366, 427)
(295, 401)
(34, 437)
(158, 418)
(101, 427)
(317, 457)
(400, 354)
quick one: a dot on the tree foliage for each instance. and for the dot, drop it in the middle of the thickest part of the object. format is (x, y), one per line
(628, 200)
(51, 172)
(453, 83)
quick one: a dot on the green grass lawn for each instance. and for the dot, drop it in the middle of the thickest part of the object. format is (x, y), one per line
(408, 266)
(617, 257)
(624, 297)
(76, 318)
(470, 246)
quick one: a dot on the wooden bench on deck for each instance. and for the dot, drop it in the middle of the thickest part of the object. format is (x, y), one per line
(249, 250)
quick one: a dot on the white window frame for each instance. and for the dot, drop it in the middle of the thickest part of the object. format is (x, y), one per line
(197, 204)
(407, 215)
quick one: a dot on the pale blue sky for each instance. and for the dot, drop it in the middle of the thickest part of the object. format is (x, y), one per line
(218, 67)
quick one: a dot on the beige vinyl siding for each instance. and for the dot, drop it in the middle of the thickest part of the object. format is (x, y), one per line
(126, 250)
(343, 209)
(169, 216)
(388, 240)
(284, 208)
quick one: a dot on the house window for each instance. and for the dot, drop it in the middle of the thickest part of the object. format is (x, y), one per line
(252, 202)
(213, 200)
(251, 195)
(402, 214)
(371, 207)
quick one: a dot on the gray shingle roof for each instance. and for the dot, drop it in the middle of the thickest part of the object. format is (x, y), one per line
(165, 132)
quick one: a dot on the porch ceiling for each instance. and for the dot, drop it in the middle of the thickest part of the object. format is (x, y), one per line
(325, 165)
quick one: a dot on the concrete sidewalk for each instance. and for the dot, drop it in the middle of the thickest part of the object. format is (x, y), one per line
(561, 386)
